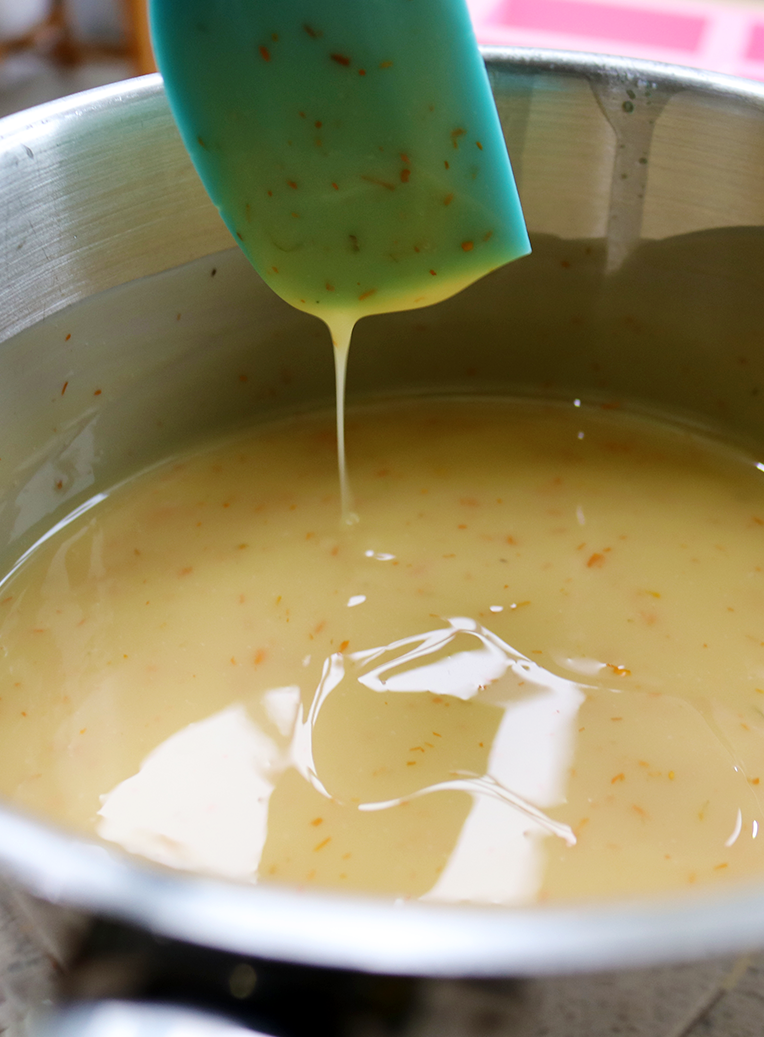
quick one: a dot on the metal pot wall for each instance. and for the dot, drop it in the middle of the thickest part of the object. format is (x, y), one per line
(644, 197)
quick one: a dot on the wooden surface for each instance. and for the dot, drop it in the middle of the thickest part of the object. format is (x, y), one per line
(55, 38)
(139, 44)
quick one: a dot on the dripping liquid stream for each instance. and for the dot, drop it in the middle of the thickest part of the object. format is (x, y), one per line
(341, 329)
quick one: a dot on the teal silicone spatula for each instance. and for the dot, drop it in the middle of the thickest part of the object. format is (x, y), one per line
(352, 146)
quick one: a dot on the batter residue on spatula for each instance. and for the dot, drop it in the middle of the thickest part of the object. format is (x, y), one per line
(353, 149)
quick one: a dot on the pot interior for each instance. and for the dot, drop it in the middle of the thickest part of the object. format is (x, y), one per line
(131, 328)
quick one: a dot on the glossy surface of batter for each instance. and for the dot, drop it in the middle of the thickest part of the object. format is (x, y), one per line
(533, 670)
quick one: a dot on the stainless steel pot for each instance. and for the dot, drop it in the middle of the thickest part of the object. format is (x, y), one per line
(128, 316)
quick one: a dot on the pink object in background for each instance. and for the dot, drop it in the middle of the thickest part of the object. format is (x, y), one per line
(720, 37)
(755, 51)
(602, 21)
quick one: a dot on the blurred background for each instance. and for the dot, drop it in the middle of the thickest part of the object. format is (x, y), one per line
(49, 48)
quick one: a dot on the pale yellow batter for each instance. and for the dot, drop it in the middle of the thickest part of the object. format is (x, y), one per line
(534, 669)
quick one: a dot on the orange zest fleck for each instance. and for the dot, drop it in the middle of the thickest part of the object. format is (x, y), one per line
(63, 388)
(366, 294)
(344, 645)
(467, 246)
(317, 821)
(322, 844)
(405, 176)
(619, 671)
(265, 54)
(448, 199)
(596, 561)
(340, 59)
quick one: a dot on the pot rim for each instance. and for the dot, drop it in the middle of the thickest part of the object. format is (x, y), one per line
(370, 933)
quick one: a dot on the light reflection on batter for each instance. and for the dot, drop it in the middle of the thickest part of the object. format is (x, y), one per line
(201, 800)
